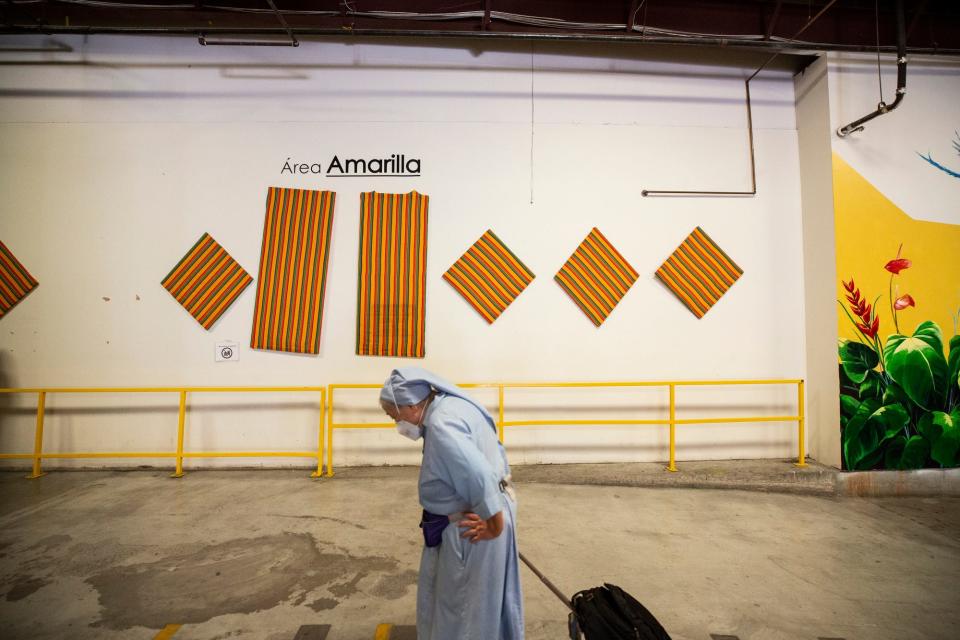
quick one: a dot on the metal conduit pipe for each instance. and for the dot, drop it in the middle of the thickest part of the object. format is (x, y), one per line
(882, 107)
(305, 32)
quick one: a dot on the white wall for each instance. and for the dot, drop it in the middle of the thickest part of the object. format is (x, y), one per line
(116, 157)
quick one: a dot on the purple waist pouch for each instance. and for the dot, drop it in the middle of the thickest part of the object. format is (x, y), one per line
(433, 526)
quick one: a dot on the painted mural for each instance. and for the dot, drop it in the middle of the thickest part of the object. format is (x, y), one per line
(899, 352)
(934, 163)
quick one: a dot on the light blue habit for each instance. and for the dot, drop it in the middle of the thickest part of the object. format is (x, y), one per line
(466, 591)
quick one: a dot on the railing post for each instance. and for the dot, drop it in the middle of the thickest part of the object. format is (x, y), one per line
(500, 417)
(673, 429)
(802, 455)
(323, 415)
(38, 436)
(330, 432)
(183, 413)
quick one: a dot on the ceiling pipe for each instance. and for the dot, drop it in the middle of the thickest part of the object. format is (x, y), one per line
(207, 42)
(883, 107)
(753, 161)
(339, 33)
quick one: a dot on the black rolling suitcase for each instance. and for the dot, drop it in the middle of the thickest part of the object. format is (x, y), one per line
(606, 613)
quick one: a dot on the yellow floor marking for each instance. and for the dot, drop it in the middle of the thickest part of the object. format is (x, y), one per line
(383, 632)
(167, 632)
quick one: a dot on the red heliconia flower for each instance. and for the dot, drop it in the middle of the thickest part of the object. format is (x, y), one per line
(897, 265)
(862, 310)
(871, 330)
(904, 301)
(859, 306)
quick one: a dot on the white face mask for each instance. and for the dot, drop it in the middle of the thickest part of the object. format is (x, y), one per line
(408, 429)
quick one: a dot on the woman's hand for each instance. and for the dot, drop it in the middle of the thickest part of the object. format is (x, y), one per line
(477, 529)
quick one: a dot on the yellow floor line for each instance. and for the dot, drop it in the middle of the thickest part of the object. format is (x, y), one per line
(383, 632)
(167, 632)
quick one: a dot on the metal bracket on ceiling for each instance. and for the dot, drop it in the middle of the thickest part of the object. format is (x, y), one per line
(772, 24)
(632, 15)
(292, 42)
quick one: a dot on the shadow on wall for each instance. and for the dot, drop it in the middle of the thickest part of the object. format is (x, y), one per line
(6, 405)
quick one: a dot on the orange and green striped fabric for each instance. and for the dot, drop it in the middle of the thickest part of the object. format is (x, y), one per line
(288, 310)
(15, 281)
(391, 289)
(596, 277)
(489, 276)
(206, 281)
(699, 272)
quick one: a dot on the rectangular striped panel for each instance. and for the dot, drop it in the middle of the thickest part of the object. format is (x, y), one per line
(596, 277)
(288, 311)
(699, 272)
(15, 281)
(391, 290)
(206, 281)
(489, 276)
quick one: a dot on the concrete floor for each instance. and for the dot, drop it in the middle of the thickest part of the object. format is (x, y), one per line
(261, 554)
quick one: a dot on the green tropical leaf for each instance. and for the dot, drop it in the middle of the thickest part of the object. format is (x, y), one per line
(848, 405)
(872, 386)
(868, 429)
(953, 364)
(857, 359)
(894, 394)
(847, 385)
(871, 459)
(915, 453)
(947, 443)
(917, 364)
(894, 452)
(852, 448)
(928, 428)
(930, 333)
(889, 421)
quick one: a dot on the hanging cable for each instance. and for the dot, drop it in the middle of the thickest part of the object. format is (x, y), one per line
(876, 9)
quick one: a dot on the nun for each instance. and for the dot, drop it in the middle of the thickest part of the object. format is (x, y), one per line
(469, 583)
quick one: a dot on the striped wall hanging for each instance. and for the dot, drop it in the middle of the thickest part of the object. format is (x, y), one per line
(288, 310)
(596, 277)
(15, 281)
(489, 276)
(699, 272)
(206, 281)
(391, 288)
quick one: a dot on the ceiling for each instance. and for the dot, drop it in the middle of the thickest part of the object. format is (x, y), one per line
(932, 26)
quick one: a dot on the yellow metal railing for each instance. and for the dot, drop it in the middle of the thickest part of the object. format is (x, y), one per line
(38, 455)
(672, 421)
(327, 424)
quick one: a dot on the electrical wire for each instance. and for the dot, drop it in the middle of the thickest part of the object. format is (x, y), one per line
(446, 16)
(876, 11)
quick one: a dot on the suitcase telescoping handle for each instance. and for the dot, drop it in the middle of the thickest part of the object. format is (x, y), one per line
(547, 582)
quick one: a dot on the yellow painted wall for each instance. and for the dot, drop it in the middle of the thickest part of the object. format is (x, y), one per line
(869, 229)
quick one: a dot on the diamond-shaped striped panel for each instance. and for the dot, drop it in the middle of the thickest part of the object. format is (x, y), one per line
(206, 281)
(699, 272)
(489, 276)
(15, 281)
(596, 277)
